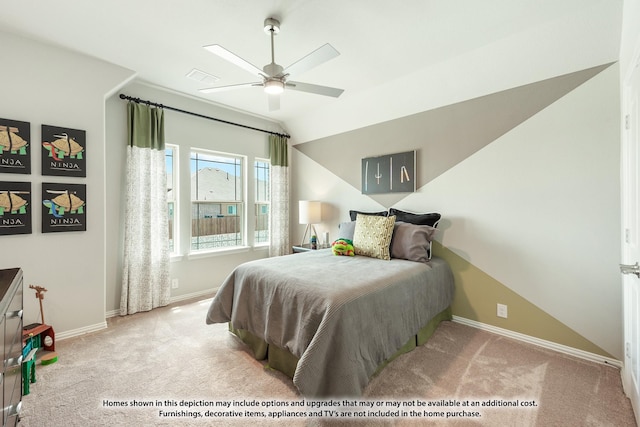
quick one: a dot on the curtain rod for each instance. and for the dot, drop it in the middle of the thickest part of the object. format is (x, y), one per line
(155, 104)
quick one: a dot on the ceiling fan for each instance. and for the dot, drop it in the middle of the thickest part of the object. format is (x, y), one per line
(274, 77)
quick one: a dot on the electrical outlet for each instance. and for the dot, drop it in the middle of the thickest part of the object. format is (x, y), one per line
(175, 284)
(502, 310)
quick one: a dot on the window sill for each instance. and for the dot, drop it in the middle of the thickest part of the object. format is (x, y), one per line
(218, 252)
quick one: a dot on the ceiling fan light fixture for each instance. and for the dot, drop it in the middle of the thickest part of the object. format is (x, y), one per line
(273, 77)
(274, 87)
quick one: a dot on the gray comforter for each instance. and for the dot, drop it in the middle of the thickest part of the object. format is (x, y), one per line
(341, 316)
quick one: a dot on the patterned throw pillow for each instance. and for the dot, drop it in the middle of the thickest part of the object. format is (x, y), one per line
(372, 236)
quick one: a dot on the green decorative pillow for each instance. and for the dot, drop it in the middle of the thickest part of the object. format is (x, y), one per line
(343, 247)
(372, 236)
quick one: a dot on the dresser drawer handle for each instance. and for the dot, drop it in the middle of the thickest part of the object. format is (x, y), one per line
(12, 314)
(14, 361)
(13, 410)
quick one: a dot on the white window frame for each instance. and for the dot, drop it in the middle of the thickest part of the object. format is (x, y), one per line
(243, 202)
(175, 198)
(257, 202)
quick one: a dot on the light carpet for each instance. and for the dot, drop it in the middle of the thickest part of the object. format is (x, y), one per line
(169, 356)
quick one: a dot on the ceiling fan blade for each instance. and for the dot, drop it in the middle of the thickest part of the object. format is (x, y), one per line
(312, 60)
(274, 102)
(229, 87)
(223, 53)
(318, 90)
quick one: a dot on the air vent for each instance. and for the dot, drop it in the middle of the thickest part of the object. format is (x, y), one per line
(202, 77)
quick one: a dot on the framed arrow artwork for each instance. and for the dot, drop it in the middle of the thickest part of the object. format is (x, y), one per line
(391, 173)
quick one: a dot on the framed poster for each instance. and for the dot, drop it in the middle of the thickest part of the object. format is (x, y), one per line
(391, 173)
(15, 148)
(15, 208)
(64, 207)
(63, 151)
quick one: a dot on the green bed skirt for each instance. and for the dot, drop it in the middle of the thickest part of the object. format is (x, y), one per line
(285, 362)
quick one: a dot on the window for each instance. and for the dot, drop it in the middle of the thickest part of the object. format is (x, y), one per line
(217, 200)
(261, 168)
(170, 155)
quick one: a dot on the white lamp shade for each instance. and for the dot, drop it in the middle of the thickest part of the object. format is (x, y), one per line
(309, 212)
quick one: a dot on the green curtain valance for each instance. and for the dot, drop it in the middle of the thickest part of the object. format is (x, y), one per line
(145, 126)
(278, 150)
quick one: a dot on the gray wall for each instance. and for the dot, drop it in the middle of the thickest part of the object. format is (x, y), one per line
(527, 181)
(82, 270)
(526, 209)
(197, 274)
(46, 85)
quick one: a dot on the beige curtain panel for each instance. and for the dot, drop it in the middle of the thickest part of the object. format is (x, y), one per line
(279, 215)
(145, 281)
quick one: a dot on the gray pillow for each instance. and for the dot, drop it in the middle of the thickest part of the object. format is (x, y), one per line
(346, 230)
(412, 242)
(354, 214)
(420, 219)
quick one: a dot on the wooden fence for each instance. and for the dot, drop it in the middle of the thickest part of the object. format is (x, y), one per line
(220, 225)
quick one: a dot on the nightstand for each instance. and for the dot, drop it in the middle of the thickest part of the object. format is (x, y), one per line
(307, 247)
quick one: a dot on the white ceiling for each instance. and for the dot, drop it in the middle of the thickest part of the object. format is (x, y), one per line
(397, 57)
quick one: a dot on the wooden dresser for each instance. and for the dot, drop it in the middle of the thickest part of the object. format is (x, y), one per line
(11, 331)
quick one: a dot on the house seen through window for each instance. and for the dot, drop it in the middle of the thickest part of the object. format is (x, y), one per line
(217, 200)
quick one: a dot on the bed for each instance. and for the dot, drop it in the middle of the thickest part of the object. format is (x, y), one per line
(332, 322)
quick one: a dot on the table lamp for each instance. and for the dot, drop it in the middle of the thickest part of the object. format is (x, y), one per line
(309, 213)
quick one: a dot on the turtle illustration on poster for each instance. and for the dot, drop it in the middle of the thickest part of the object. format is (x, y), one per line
(65, 207)
(15, 208)
(64, 151)
(15, 150)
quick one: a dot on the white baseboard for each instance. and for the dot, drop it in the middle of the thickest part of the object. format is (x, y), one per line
(540, 342)
(113, 313)
(81, 331)
(210, 292)
(473, 323)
